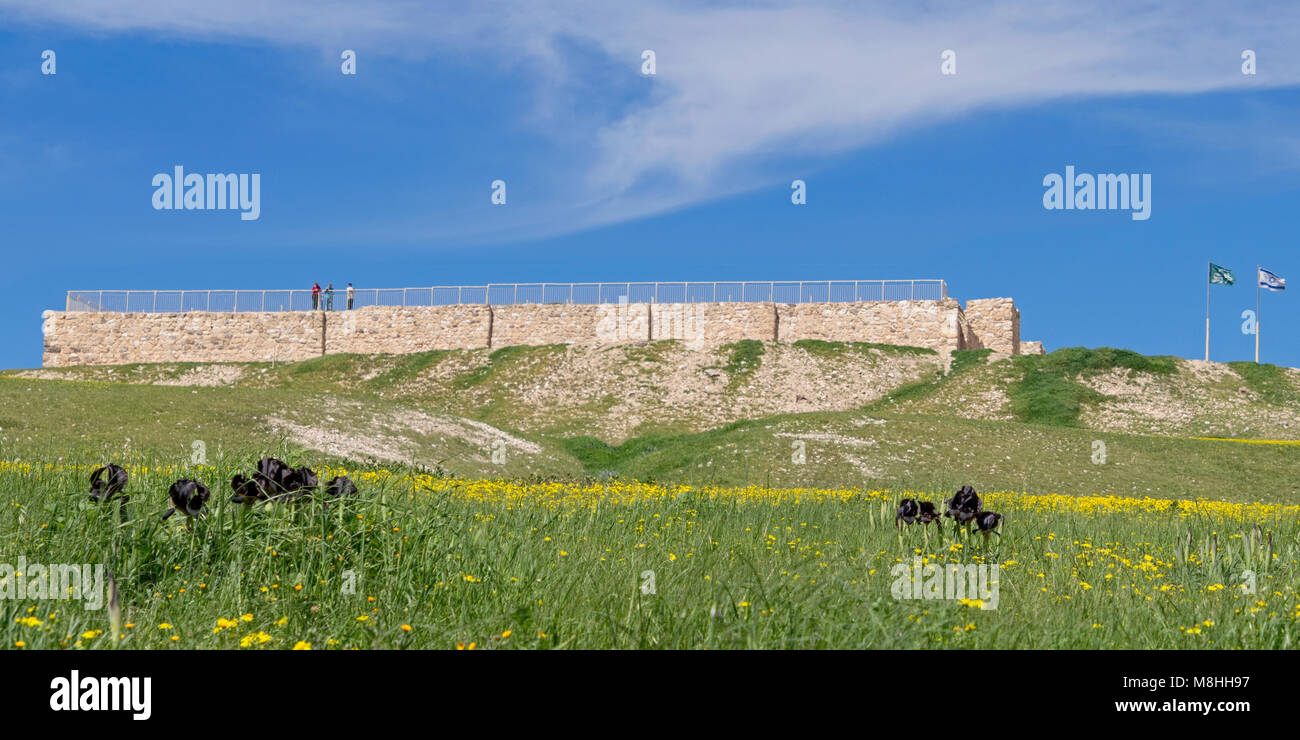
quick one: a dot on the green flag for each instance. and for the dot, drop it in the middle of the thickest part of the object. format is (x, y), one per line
(1221, 275)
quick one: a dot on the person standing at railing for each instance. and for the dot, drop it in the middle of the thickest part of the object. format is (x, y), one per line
(315, 296)
(351, 295)
(329, 297)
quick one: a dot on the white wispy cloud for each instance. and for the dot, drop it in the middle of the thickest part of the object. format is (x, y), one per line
(740, 84)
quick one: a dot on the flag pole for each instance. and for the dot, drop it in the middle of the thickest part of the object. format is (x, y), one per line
(1256, 314)
(1207, 310)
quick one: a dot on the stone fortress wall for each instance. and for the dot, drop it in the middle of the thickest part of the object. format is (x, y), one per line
(110, 338)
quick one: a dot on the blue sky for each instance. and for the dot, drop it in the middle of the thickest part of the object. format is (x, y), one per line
(383, 178)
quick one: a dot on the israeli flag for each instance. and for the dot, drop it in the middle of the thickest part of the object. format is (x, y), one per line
(1270, 281)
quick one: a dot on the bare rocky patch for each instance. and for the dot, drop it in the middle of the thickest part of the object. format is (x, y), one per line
(206, 376)
(619, 392)
(1201, 399)
(356, 430)
(977, 393)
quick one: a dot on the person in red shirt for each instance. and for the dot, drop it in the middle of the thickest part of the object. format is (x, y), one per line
(315, 296)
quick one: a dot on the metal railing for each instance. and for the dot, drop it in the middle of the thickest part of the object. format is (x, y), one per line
(788, 291)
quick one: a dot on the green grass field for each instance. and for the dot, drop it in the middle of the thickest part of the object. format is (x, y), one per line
(417, 561)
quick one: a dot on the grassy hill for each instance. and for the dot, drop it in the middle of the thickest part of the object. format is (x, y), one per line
(495, 507)
(823, 414)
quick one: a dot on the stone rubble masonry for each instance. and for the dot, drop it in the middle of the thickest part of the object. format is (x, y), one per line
(553, 323)
(934, 324)
(704, 324)
(994, 324)
(406, 329)
(1032, 348)
(87, 338)
(83, 338)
